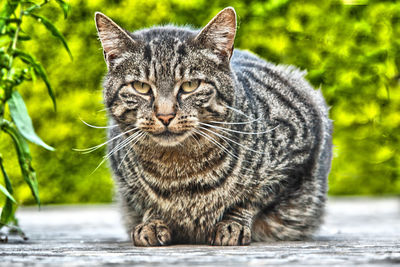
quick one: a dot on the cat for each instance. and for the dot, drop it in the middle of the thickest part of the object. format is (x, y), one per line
(209, 144)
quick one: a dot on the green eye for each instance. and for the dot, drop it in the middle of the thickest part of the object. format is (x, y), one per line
(142, 88)
(188, 87)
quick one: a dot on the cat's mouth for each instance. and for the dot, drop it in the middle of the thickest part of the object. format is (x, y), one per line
(169, 138)
(168, 134)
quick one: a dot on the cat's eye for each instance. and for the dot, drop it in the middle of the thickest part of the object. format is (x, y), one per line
(190, 86)
(142, 88)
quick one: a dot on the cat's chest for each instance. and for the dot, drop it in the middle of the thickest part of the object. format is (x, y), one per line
(186, 191)
(192, 205)
(188, 211)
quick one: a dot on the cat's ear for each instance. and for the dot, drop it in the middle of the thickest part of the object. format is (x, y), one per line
(219, 33)
(114, 39)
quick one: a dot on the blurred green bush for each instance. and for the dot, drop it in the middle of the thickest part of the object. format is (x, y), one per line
(350, 48)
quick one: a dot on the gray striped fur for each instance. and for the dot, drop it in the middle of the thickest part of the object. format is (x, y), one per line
(268, 182)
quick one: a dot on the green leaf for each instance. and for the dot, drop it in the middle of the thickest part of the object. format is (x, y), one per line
(8, 20)
(5, 192)
(21, 118)
(54, 31)
(39, 70)
(6, 11)
(23, 37)
(31, 8)
(65, 7)
(8, 211)
(33, 74)
(24, 158)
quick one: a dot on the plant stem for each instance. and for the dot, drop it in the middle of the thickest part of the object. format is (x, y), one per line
(16, 229)
(15, 39)
(14, 42)
(2, 104)
(11, 61)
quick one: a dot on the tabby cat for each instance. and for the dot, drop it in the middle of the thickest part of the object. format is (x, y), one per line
(210, 144)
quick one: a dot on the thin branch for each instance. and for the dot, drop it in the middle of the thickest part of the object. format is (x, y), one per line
(14, 42)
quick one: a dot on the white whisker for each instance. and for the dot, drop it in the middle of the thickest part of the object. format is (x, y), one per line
(122, 144)
(215, 142)
(236, 123)
(191, 134)
(234, 131)
(98, 127)
(239, 111)
(230, 140)
(91, 149)
(105, 158)
(224, 149)
(126, 154)
(98, 166)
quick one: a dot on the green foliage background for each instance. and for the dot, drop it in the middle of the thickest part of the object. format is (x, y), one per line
(350, 48)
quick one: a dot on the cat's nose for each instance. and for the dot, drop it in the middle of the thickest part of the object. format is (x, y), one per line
(165, 118)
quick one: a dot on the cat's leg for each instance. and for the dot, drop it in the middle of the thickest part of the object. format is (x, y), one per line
(151, 232)
(145, 227)
(235, 227)
(294, 218)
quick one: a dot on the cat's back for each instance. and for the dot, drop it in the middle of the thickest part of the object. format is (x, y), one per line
(281, 88)
(284, 79)
(290, 105)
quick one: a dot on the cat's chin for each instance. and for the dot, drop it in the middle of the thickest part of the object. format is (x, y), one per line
(169, 139)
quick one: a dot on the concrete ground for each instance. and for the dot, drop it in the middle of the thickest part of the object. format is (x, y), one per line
(357, 231)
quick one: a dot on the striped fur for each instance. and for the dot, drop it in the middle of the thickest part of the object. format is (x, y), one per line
(193, 185)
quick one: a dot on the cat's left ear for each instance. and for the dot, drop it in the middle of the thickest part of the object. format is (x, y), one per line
(219, 33)
(114, 39)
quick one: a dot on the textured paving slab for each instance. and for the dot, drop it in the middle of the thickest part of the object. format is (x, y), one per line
(356, 232)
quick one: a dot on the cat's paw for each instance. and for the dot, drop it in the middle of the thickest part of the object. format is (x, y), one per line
(230, 233)
(149, 234)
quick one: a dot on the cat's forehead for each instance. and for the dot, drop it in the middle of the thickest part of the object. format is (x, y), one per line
(162, 55)
(164, 35)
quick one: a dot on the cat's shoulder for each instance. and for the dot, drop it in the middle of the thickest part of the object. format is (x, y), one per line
(250, 66)
(246, 60)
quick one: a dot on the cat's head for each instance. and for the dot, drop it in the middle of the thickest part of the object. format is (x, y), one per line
(168, 80)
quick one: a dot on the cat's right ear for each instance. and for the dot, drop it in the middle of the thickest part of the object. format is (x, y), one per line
(219, 33)
(114, 39)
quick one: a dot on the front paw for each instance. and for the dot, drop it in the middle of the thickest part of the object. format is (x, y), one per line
(153, 233)
(230, 233)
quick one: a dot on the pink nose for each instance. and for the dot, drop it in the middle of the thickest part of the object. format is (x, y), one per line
(166, 118)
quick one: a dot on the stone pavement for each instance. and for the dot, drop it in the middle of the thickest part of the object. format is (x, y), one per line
(357, 231)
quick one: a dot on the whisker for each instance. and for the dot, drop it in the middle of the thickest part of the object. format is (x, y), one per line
(239, 111)
(235, 131)
(236, 123)
(194, 137)
(230, 140)
(105, 158)
(215, 142)
(122, 144)
(99, 127)
(126, 154)
(98, 166)
(223, 129)
(91, 149)
(104, 109)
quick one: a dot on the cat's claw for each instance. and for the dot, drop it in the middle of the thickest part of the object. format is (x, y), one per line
(230, 233)
(149, 234)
